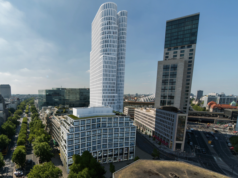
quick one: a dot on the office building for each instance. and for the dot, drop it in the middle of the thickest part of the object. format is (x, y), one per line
(3, 111)
(157, 168)
(129, 111)
(167, 124)
(107, 57)
(199, 95)
(73, 97)
(109, 137)
(5, 90)
(175, 72)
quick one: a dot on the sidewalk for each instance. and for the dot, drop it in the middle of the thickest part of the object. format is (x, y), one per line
(165, 149)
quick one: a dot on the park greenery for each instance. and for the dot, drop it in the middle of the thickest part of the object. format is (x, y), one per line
(198, 108)
(44, 170)
(86, 166)
(19, 156)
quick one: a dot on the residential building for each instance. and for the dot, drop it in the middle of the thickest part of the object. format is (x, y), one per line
(139, 104)
(3, 111)
(109, 137)
(175, 72)
(107, 57)
(158, 168)
(219, 98)
(5, 90)
(199, 94)
(129, 111)
(73, 97)
(167, 124)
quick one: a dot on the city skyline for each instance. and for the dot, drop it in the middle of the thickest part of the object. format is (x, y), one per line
(41, 43)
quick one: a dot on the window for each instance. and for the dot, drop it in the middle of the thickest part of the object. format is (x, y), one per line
(182, 47)
(104, 125)
(166, 57)
(110, 140)
(94, 126)
(190, 62)
(109, 124)
(104, 119)
(169, 49)
(174, 67)
(76, 152)
(190, 54)
(70, 148)
(121, 119)
(82, 139)
(76, 129)
(109, 119)
(88, 127)
(70, 154)
(94, 137)
(98, 119)
(188, 76)
(181, 55)
(83, 145)
(115, 144)
(98, 141)
(182, 51)
(98, 125)
(70, 136)
(166, 68)
(82, 128)
(189, 46)
(94, 143)
(99, 136)
(167, 53)
(121, 124)
(104, 141)
(175, 52)
(133, 134)
(116, 130)
(88, 121)
(189, 65)
(187, 80)
(99, 131)
(189, 68)
(133, 129)
(94, 147)
(175, 48)
(104, 130)
(82, 134)
(99, 146)
(110, 130)
(121, 129)
(104, 146)
(121, 134)
(188, 73)
(128, 129)
(127, 139)
(174, 55)
(76, 146)
(126, 123)
(70, 142)
(127, 134)
(88, 143)
(115, 124)
(77, 135)
(191, 50)
(88, 139)
(115, 119)
(93, 120)
(83, 122)
(104, 136)
(76, 123)
(190, 58)
(76, 141)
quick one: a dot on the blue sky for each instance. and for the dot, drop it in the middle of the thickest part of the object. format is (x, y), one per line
(45, 44)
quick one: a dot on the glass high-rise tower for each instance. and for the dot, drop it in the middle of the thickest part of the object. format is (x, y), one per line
(175, 72)
(107, 57)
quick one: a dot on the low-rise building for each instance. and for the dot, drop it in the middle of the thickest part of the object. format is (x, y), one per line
(129, 111)
(219, 98)
(166, 124)
(214, 107)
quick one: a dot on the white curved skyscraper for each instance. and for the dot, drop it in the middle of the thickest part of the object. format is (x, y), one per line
(107, 57)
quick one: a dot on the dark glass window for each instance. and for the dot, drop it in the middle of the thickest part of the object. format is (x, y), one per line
(182, 51)
(174, 55)
(189, 65)
(162, 102)
(188, 72)
(182, 47)
(190, 62)
(166, 68)
(163, 96)
(181, 55)
(190, 58)
(166, 53)
(175, 52)
(173, 67)
(175, 49)
(169, 49)
(191, 50)
(172, 81)
(180, 128)
(173, 74)
(165, 74)
(190, 54)
(165, 82)
(189, 68)
(164, 88)
(189, 46)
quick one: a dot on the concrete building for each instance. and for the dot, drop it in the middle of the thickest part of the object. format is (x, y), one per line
(109, 137)
(107, 57)
(175, 72)
(3, 111)
(199, 94)
(214, 107)
(5, 90)
(129, 111)
(166, 124)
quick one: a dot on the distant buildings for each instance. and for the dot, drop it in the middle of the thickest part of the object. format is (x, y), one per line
(107, 57)
(129, 111)
(214, 107)
(73, 97)
(5, 90)
(150, 98)
(218, 98)
(3, 111)
(199, 94)
(174, 74)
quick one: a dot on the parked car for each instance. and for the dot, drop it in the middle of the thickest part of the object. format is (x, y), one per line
(231, 148)
(229, 144)
(18, 173)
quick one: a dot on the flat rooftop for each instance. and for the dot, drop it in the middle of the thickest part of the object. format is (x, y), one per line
(154, 169)
(77, 118)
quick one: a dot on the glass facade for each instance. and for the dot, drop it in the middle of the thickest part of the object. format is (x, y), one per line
(73, 97)
(182, 31)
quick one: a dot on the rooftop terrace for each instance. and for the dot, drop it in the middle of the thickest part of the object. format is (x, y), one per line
(77, 118)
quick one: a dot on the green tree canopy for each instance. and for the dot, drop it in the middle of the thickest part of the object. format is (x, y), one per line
(155, 153)
(9, 129)
(2, 163)
(95, 169)
(44, 151)
(45, 170)
(4, 141)
(19, 155)
(112, 168)
(18, 112)
(136, 158)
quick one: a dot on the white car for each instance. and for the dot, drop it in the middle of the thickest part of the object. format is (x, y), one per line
(18, 173)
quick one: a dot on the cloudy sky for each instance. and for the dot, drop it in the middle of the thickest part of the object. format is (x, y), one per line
(46, 43)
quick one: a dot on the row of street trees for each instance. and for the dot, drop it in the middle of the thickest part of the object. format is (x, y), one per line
(40, 140)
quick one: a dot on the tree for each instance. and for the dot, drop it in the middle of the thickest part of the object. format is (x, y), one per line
(19, 155)
(155, 153)
(2, 163)
(47, 169)
(44, 151)
(136, 158)
(112, 168)
(8, 128)
(95, 169)
(18, 112)
(4, 141)
(12, 110)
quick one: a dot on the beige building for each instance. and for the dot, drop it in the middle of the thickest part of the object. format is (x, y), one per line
(129, 111)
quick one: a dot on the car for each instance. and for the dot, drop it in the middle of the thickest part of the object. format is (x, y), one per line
(204, 151)
(28, 161)
(229, 144)
(231, 148)
(18, 173)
